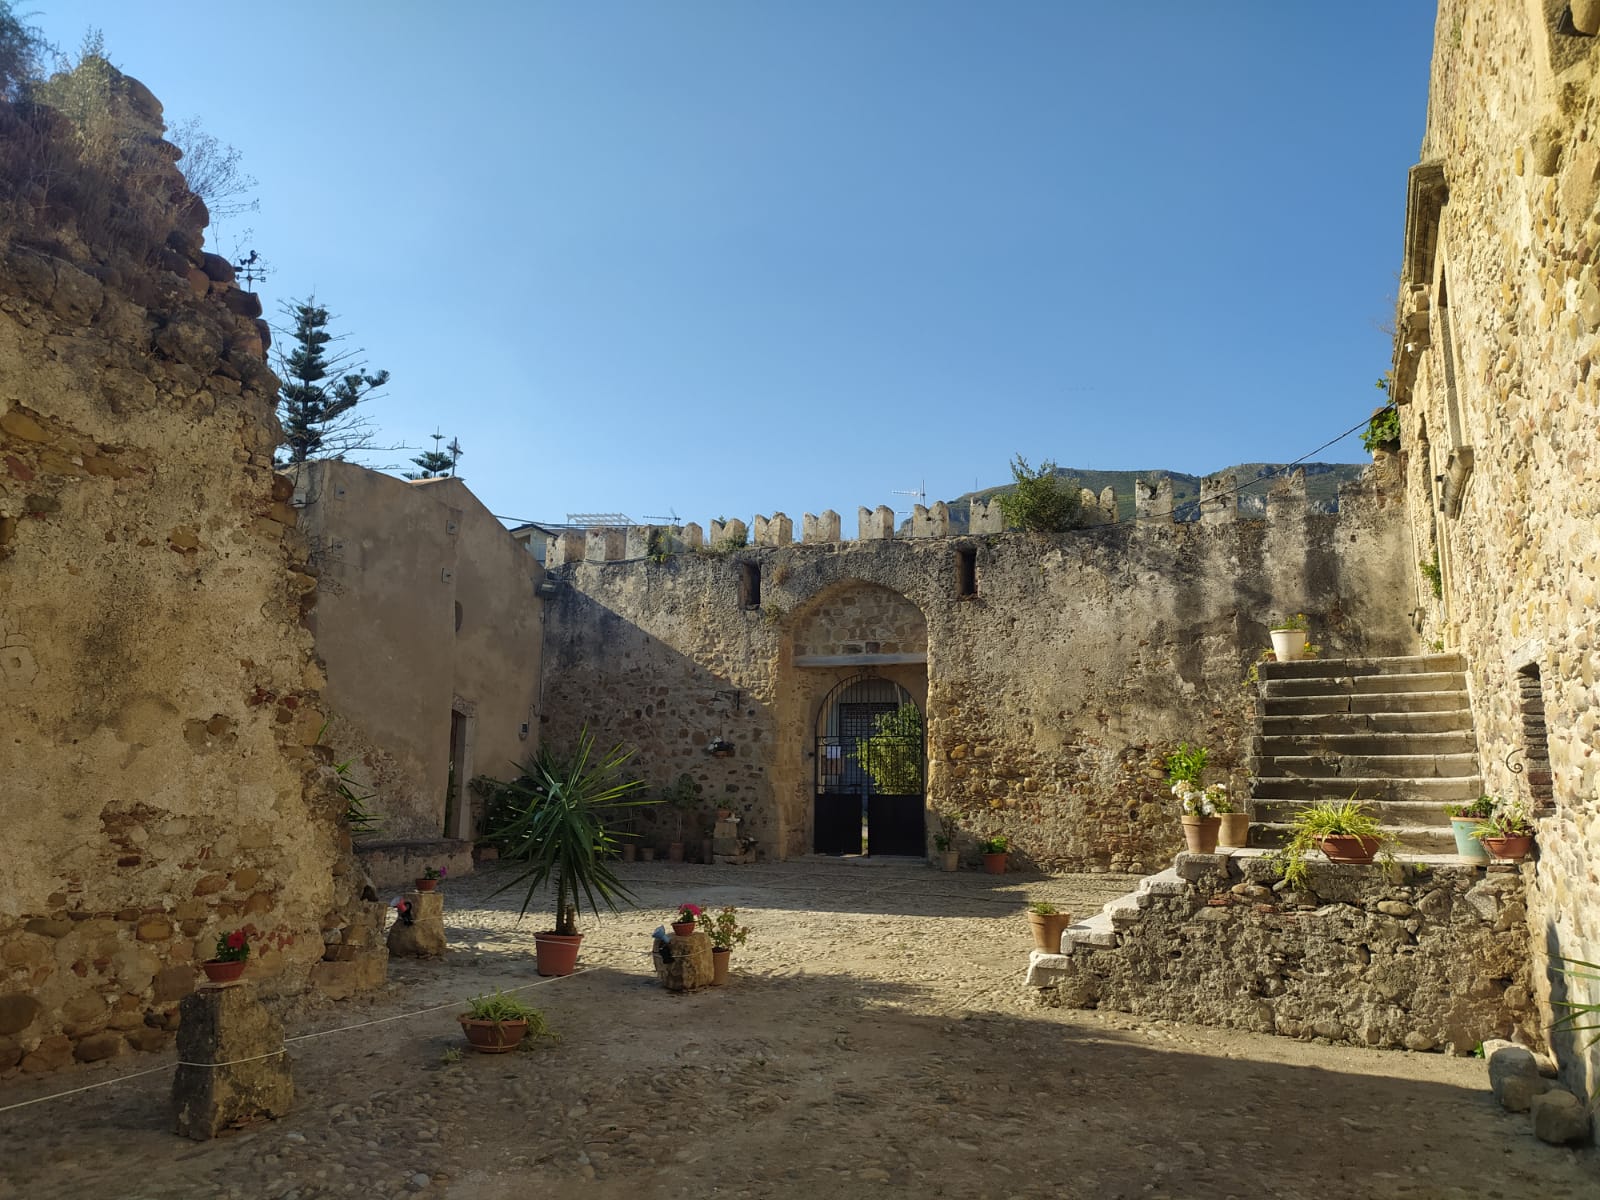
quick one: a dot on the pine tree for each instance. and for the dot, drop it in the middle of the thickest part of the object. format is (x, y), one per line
(319, 395)
(437, 463)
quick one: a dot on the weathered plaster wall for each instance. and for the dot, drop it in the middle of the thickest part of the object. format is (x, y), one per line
(1419, 958)
(1050, 694)
(159, 697)
(396, 563)
(1500, 311)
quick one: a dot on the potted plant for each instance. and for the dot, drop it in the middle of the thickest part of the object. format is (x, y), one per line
(556, 830)
(720, 748)
(1507, 833)
(1234, 826)
(726, 933)
(1048, 923)
(430, 877)
(1344, 830)
(994, 852)
(1197, 804)
(688, 914)
(497, 1023)
(227, 963)
(1289, 637)
(679, 796)
(1464, 819)
(944, 842)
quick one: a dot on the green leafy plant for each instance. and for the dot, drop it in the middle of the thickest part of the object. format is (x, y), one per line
(496, 1006)
(1328, 818)
(1043, 908)
(892, 755)
(1435, 577)
(1294, 621)
(357, 815)
(949, 826)
(435, 872)
(1384, 428)
(1477, 809)
(1508, 818)
(725, 930)
(1580, 1016)
(679, 796)
(557, 828)
(1187, 763)
(1040, 501)
(998, 844)
(232, 947)
(1252, 677)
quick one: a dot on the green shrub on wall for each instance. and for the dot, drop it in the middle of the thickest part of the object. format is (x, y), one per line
(1040, 501)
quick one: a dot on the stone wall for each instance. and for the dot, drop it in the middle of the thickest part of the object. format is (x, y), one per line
(429, 625)
(1497, 334)
(159, 698)
(1050, 693)
(1412, 957)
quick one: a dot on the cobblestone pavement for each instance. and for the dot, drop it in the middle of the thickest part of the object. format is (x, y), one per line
(874, 1040)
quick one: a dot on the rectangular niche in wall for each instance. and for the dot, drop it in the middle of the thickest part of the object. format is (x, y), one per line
(749, 585)
(966, 572)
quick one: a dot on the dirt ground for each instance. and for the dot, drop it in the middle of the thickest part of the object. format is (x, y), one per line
(875, 1040)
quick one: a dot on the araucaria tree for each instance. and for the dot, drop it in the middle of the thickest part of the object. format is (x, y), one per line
(317, 403)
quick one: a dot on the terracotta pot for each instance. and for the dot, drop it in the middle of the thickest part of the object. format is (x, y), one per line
(1047, 930)
(675, 852)
(1200, 833)
(1289, 644)
(1235, 829)
(1511, 849)
(724, 813)
(1346, 848)
(218, 971)
(557, 953)
(1468, 846)
(719, 966)
(629, 852)
(493, 1037)
(647, 854)
(949, 860)
(427, 885)
(995, 864)
(683, 928)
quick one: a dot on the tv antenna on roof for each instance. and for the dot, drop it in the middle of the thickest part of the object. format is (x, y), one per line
(671, 520)
(920, 495)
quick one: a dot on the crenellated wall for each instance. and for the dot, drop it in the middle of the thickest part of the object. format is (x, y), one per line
(1050, 691)
(1498, 332)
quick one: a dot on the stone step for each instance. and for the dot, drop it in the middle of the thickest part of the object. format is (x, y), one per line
(1368, 787)
(1306, 668)
(1333, 767)
(1455, 741)
(1366, 685)
(1410, 813)
(1363, 702)
(1450, 720)
(1410, 839)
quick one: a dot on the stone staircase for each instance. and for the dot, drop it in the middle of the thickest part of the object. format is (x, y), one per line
(1396, 732)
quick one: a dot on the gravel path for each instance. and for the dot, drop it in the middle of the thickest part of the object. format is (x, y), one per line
(874, 1040)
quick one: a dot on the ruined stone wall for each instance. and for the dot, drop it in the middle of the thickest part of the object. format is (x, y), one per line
(159, 697)
(1050, 694)
(1415, 957)
(1496, 341)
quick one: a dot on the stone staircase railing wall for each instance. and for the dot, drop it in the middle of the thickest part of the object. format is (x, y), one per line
(1409, 956)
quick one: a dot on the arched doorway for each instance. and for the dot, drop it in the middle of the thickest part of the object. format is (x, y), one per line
(871, 764)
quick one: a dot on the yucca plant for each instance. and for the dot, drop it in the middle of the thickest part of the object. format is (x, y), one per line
(555, 826)
(1329, 818)
(1580, 1016)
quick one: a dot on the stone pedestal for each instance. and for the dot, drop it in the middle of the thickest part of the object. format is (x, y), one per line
(424, 937)
(725, 847)
(228, 1025)
(685, 962)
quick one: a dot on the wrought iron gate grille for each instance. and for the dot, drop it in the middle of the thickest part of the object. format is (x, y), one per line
(869, 780)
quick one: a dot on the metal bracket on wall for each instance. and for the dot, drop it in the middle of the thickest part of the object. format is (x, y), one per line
(447, 575)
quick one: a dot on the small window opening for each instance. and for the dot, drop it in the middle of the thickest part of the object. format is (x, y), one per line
(966, 572)
(458, 616)
(1535, 739)
(749, 585)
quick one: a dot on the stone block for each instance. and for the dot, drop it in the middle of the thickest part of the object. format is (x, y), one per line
(1586, 16)
(424, 936)
(684, 963)
(1513, 1074)
(51, 1054)
(1560, 1118)
(17, 1012)
(98, 1046)
(233, 1067)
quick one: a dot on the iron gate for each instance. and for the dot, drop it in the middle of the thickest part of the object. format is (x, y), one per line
(870, 770)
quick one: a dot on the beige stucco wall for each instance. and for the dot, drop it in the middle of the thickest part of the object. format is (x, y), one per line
(1513, 117)
(394, 560)
(158, 694)
(1048, 696)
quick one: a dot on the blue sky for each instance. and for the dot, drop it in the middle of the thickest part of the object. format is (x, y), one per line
(713, 259)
